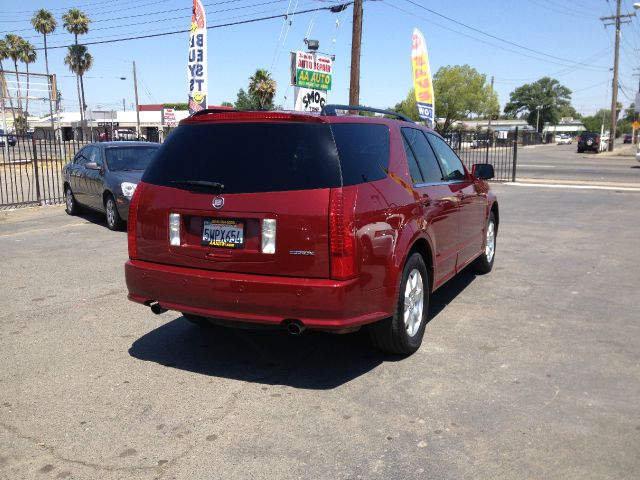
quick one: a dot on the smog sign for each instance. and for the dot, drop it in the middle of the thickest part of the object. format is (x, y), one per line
(309, 100)
(310, 70)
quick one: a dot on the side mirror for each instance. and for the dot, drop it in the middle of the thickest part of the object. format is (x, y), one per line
(483, 171)
(92, 166)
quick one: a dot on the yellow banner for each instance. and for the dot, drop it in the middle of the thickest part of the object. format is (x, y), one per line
(422, 78)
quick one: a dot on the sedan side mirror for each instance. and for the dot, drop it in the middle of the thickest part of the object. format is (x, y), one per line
(92, 166)
(483, 171)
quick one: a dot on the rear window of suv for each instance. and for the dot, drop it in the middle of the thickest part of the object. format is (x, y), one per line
(271, 157)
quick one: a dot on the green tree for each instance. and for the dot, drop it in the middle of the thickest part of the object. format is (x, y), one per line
(177, 105)
(226, 104)
(77, 23)
(547, 94)
(44, 23)
(247, 101)
(602, 118)
(28, 56)
(460, 91)
(263, 87)
(408, 106)
(20, 124)
(79, 61)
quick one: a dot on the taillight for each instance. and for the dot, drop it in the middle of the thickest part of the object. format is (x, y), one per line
(132, 222)
(342, 241)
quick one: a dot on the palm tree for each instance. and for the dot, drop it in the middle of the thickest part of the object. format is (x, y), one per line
(79, 61)
(77, 22)
(28, 55)
(262, 86)
(44, 22)
(4, 55)
(15, 46)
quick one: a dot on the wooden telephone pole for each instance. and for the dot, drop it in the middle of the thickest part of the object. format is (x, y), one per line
(615, 20)
(356, 39)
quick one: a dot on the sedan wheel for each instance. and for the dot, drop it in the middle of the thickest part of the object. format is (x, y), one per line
(70, 205)
(114, 222)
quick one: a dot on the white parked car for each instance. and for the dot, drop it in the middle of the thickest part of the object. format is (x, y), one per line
(638, 156)
(564, 139)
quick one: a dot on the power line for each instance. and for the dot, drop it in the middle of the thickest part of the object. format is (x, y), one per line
(495, 37)
(176, 32)
(593, 68)
(148, 14)
(165, 19)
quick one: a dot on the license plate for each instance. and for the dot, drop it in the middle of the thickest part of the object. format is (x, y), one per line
(223, 233)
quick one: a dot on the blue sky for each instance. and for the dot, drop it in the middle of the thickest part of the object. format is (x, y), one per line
(561, 38)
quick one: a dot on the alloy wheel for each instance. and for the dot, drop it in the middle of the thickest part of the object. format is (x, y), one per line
(413, 302)
(490, 249)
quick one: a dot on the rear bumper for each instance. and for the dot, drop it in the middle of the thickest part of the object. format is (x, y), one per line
(318, 303)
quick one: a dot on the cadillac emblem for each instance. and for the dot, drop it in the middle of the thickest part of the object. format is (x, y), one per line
(218, 202)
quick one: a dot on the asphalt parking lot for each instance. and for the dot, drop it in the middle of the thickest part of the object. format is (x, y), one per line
(532, 371)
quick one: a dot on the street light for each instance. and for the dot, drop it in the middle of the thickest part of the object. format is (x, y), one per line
(538, 119)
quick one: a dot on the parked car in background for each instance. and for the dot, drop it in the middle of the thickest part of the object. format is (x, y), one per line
(124, 134)
(242, 233)
(638, 156)
(104, 136)
(7, 138)
(564, 139)
(628, 138)
(103, 177)
(591, 141)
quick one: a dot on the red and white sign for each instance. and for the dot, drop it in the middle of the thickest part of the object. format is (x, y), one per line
(169, 117)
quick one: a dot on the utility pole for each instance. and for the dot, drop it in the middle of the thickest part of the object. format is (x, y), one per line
(135, 91)
(356, 39)
(614, 87)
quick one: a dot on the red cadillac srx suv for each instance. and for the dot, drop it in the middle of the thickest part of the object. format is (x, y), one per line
(328, 222)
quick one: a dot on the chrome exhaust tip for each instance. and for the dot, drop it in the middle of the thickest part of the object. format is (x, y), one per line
(295, 327)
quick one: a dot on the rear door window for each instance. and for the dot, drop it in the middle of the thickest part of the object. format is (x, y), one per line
(363, 150)
(248, 157)
(424, 155)
(451, 164)
(414, 169)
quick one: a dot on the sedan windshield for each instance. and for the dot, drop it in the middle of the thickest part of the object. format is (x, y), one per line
(130, 158)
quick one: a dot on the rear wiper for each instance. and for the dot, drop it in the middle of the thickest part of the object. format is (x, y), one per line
(216, 186)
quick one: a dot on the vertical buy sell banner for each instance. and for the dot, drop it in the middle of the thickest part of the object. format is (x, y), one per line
(197, 66)
(422, 78)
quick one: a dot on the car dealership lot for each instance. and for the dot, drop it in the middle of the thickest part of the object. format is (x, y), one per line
(530, 371)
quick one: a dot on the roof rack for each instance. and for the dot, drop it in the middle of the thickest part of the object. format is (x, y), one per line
(330, 110)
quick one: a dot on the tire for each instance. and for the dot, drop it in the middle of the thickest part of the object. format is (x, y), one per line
(580, 150)
(484, 263)
(70, 204)
(395, 334)
(197, 320)
(114, 222)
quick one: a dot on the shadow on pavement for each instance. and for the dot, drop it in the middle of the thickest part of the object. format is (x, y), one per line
(313, 360)
(450, 290)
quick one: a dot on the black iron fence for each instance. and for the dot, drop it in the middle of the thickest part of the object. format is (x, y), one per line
(499, 148)
(31, 168)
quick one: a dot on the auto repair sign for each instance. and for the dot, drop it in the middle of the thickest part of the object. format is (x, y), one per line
(197, 66)
(310, 70)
